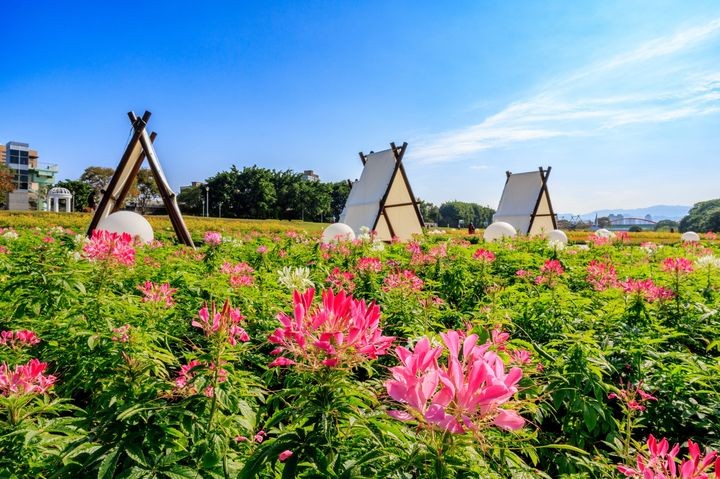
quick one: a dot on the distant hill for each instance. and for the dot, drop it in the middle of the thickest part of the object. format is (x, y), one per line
(658, 212)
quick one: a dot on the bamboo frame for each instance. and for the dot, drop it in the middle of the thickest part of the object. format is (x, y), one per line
(544, 174)
(398, 153)
(138, 149)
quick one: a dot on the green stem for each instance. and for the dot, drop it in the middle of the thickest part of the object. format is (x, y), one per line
(628, 435)
(216, 374)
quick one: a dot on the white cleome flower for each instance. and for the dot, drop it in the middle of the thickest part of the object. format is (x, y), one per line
(10, 235)
(708, 261)
(557, 245)
(364, 234)
(377, 245)
(295, 278)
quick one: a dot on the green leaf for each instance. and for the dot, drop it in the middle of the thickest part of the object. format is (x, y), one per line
(181, 472)
(589, 417)
(109, 463)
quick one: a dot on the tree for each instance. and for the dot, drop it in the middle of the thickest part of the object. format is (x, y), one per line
(190, 200)
(146, 188)
(97, 176)
(339, 193)
(80, 190)
(452, 212)
(483, 214)
(666, 225)
(429, 212)
(702, 217)
(6, 183)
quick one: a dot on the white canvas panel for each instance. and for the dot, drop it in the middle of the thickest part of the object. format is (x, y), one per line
(360, 215)
(363, 203)
(520, 194)
(521, 223)
(404, 221)
(542, 224)
(399, 193)
(382, 230)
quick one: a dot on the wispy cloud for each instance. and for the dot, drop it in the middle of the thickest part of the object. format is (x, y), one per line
(662, 80)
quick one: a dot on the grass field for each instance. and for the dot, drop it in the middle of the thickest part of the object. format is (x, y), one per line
(198, 226)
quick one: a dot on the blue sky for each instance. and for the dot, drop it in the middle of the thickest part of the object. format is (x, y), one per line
(621, 98)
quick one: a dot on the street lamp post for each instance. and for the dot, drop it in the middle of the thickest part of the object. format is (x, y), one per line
(220, 209)
(207, 201)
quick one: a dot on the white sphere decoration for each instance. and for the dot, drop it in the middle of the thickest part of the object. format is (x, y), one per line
(558, 236)
(603, 233)
(498, 231)
(690, 237)
(338, 232)
(127, 222)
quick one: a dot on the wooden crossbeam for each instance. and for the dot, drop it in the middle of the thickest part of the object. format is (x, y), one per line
(139, 148)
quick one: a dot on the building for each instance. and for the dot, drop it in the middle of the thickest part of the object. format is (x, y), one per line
(32, 179)
(310, 175)
(193, 184)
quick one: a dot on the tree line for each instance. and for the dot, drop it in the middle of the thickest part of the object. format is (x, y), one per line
(260, 193)
(254, 192)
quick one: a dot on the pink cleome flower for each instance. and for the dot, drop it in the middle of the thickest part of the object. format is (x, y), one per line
(463, 395)
(340, 331)
(601, 275)
(121, 334)
(111, 247)
(484, 256)
(646, 289)
(552, 266)
(677, 265)
(403, 281)
(629, 397)
(285, 455)
(549, 272)
(373, 265)
(224, 323)
(520, 356)
(660, 462)
(241, 274)
(25, 379)
(213, 238)
(19, 339)
(157, 293)
(186, 373)
(598, 240)
(522, 273)
(341, 280)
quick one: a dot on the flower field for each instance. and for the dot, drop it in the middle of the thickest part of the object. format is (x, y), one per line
(264, 353)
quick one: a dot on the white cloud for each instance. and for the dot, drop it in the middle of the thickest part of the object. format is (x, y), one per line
(663, 80)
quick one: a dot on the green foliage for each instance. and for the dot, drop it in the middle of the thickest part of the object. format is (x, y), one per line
(80, 190)
(256, 192)
(702, 217)
(452, 212)
(117, 408)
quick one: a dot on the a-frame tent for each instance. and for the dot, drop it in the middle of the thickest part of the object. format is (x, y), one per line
(139, 147)
(382, 198)
(525, 203)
